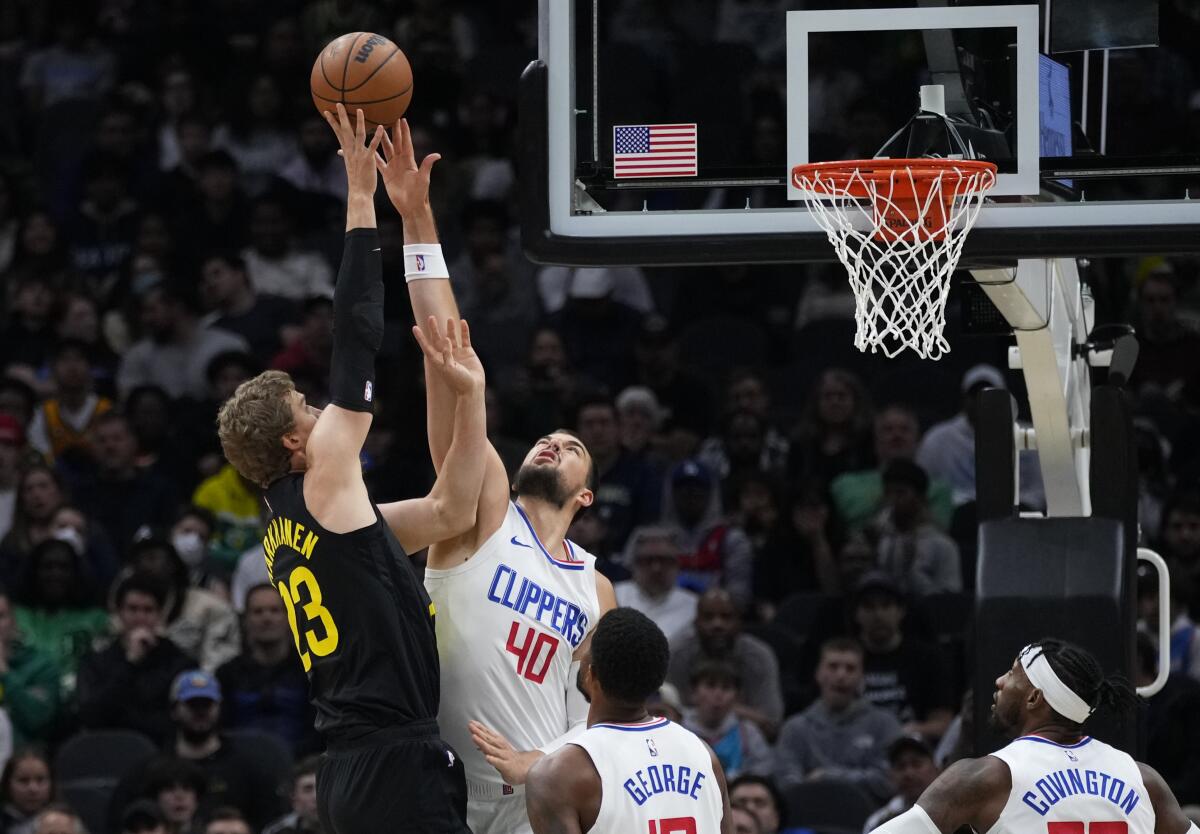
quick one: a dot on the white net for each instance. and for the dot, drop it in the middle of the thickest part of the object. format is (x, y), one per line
(899, 231)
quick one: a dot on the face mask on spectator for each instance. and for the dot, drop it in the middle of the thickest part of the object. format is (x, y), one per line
(190, 547)
(72, 537)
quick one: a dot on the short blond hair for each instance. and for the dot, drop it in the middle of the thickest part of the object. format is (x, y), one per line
(252, 423)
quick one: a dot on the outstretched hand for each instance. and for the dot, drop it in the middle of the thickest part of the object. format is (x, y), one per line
(450, 354)
(406, 182)
(359, 156)
(512, 765)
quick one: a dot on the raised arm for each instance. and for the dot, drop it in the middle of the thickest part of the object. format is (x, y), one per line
(333, 487)
(431, 295)
(449, 509)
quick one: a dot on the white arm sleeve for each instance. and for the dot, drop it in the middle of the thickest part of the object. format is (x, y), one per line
(912, 821)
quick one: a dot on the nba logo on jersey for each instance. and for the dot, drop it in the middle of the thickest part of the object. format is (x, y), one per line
(420, 263)
(651, 747)
(368, 391)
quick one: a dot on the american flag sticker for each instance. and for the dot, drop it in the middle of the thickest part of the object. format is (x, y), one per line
(654, 151)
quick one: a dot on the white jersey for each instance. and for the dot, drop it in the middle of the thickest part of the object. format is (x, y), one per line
(655, 777)
(508, 622)
(1084, 788)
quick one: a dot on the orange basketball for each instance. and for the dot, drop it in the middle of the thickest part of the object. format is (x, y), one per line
(365, 72)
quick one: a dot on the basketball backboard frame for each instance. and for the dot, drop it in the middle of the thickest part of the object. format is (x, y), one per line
(560, 226)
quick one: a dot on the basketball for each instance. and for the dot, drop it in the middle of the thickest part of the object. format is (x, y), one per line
(363, 71)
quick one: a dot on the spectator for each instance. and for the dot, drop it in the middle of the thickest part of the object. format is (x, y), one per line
(127, 683)
(276, 267)
(191, 535)
(42, 257)
(746, 394)
(628, 285)
(79, 321)
(303, 818)
(164, 446)
(947, 450)
(738, 743)
(1167, 344)
(912, 770)
(142, 816)
(57, 611)
(75, 67)
(540, 393)
(666, 703)
(12, 443)
(833, 435)
(494, 284)
(103, 226)
(626, 487)
(743, 821)
(759, 796)
(841, 736)
(920, 557)
(58, 818)
(40, 493)
(639, 418)
(197, 621)
(306, 359)
(260, 139)
(219, 216)
(798, 554)
(227, 820)
(29, 681)
(265, 686)
(117, 494)
(654, 559)
(597, 330)
(63, 423)
(236, 504)
(17, 400)
(26, 788)
(1169, 724)
(71, 525)
(1185, 634)
(716, 552)
(28, 334)
(858, 496)
(685, 397)
(718, 637)
(177, 786)
(263, 321)
(176, 349)
(1180, 538)
(316, 171)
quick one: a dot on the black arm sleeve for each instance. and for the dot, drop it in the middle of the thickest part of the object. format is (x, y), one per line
(357, 321)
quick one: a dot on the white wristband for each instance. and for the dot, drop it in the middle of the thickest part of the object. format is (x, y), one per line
(424, 260)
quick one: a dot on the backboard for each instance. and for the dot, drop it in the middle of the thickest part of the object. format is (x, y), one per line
(663, 133)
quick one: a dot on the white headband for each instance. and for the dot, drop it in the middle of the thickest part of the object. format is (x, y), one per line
(1058, 695)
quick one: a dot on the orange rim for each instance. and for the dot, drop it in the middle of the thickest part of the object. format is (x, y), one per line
(852, 175)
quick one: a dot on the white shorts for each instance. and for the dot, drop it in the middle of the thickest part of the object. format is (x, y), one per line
(506, 815)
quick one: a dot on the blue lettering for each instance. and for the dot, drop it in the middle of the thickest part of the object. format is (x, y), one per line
(1047, 791)
(509, 602)
(1032, 801)
(1104, 778)
(1076, 782)
(642, 781)
(1060, 784)
(569, 621)
(501, 570)
(696, 785)
(685, 775)
(1089, 781)
(1130, 801)
(668, 774)
(560, 609)
(581, 628)
(548, 601)
(656, 783)
(639, 796)
(1115, 790)
(532, 596)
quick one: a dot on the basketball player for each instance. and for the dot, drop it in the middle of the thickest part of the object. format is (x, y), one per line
(515, 599)
(629, 771)
(362, 623)
(1053, 777)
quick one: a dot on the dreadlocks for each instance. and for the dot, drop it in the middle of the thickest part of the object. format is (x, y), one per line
(1078, 669)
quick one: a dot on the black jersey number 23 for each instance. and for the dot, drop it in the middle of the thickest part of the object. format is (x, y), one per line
(312, 625)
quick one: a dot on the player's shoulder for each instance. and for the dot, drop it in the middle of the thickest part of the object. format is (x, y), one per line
(568, 769)
(985, 774)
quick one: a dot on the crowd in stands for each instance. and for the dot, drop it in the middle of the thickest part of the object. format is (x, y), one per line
(791, 513)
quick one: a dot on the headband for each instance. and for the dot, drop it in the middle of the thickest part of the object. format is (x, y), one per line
(1061, 698)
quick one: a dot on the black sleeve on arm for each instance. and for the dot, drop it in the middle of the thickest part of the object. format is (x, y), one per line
(357, 321)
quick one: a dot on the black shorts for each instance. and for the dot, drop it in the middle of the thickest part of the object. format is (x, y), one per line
(396, 783)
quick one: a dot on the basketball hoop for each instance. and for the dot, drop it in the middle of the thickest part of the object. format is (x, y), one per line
(901, 252)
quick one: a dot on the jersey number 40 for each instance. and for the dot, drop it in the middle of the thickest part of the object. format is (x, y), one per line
(534, 651)
(300, 588)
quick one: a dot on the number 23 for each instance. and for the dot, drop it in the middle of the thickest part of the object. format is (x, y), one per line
(313, 612)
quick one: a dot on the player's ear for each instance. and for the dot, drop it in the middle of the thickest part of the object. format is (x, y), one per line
(585, 497)
(292, 441)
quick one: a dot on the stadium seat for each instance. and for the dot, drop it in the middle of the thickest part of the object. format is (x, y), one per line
(828, 807)
(88, 767)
